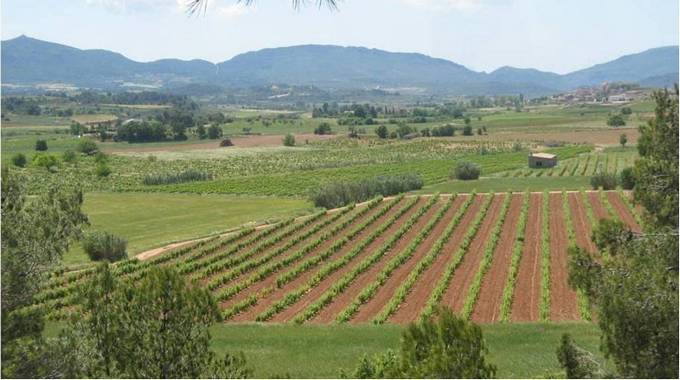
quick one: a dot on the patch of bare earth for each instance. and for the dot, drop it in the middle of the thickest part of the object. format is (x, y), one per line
(270, 280)
(563, 303)
(455, 294)
(488, 306)
(315, 293)
(277, 294)
(416, 300)
(623, 211)
(528, 285)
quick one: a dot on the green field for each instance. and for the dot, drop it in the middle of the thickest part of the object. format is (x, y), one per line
(518, 350)
(150, 220)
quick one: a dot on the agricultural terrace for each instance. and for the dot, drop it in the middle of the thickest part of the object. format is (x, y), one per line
(490, 257)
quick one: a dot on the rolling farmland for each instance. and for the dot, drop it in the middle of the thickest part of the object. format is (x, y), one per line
(490, 257)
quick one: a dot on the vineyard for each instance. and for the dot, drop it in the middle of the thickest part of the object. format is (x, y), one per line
(490, 257)
(581, 165)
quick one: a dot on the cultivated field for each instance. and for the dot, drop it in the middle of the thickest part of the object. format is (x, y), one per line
(490, 257)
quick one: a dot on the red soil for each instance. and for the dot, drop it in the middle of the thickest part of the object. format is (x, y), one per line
(528, 286)
(597, 206)
(623, 211)
(488, 306)
(279, 293)
(563, 303)
(329, 313)
(455, 294)
(270, 280)
(582, 227)
(327, 283)
(416, 300)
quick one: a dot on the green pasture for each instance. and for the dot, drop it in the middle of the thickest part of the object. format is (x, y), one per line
(150, 220)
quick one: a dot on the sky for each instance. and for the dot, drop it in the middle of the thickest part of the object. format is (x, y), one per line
(551, 35)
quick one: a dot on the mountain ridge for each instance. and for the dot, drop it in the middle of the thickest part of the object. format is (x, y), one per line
(29, 61)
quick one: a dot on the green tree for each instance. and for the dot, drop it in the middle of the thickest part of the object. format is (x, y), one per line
(158, 328)
(656, 171)
(214, 132)
(442, 347)
(381, 131)
(289, 140)
(577, 362)
(87, 146)
(40, 145)
(467, 130)
(200, 132)
(35, 234)
(623, 140)
(19, 160)
(616, 121)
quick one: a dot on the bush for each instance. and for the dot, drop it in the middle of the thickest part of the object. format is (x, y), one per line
(603, 180)
(69, 156)
(443, 131)
(627, 179)
(382, 132)
(87, 146)
(19, 160)
(101, 157)
(393, 135)
(190, 175)
(214, 132)
(226, 142)
(45, 160)
(102, 170)
(104, 246)
(337, 194)
(323, 129)
(289, 140)
(466, 171)
(41, 145)
(404, 129)
(616, 121)
(467, 130)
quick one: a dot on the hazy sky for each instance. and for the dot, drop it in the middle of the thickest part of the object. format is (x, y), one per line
(553, 35)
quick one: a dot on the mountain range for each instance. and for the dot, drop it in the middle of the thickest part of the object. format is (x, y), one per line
(29, 61)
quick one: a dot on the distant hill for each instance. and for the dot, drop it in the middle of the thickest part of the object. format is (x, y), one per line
(28, 61)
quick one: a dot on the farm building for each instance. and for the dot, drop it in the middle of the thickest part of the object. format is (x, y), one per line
(542, 160)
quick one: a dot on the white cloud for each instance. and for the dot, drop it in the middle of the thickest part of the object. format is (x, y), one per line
(219, 8)
(454, 5)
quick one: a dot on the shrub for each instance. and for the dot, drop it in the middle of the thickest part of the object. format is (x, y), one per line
(41, 145)
(616, 121)
(214, 132)
(102, 170)
(404, 129)
(289, 140)
(87, 146)
(603, 180)
(323, 129)
(444, 130)
(467, 130)
(44, 160)
(577, 362)
(627, 179)
(466, 171)
(626, 111)
(226, 142)
(337, 194)
(104, 246)
(19, 160)
(69, 156)
(393, 135)
(168, 178)
(382, 131)
(100, 157)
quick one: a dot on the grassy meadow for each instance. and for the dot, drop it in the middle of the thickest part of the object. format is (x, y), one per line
(149, 220)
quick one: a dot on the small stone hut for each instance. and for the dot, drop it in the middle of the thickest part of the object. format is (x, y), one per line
(542, 160)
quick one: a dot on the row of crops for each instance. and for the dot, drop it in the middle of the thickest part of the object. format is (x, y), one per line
(375, 262)
(289, 172)
(582, 165)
